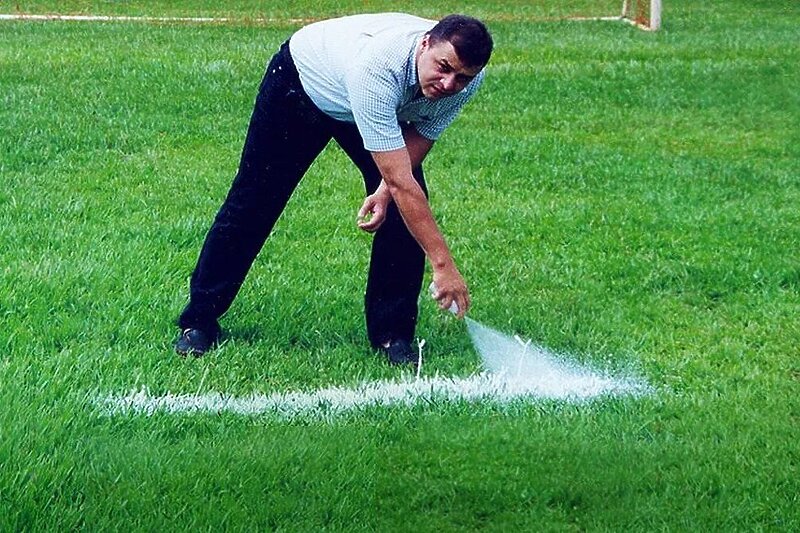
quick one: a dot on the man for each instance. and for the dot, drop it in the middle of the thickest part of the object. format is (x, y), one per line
(384, 86)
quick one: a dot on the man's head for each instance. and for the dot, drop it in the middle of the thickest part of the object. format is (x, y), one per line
(469, 37)
(451, 54)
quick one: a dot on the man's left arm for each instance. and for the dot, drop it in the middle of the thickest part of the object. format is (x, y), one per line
(417, 145)
(375, 204)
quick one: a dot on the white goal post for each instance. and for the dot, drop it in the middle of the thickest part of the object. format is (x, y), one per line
(636, 12)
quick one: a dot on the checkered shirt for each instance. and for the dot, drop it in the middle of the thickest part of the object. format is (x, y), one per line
(362, 69)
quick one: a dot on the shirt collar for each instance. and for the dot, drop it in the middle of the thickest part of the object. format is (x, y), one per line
(411, 65)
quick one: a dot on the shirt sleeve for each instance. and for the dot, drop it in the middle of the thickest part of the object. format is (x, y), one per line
(375, 94)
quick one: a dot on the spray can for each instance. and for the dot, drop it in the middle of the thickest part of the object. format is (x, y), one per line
(453, 305)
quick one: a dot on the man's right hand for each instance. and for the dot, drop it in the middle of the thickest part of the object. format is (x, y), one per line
(451, 287)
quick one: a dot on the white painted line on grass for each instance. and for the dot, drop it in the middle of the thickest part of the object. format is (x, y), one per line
(515, 370)
(485, 387)
(149, 19)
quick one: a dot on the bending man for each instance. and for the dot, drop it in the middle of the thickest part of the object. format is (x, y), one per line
(385, 87)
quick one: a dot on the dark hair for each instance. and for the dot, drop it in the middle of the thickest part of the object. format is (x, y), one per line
(469, 37)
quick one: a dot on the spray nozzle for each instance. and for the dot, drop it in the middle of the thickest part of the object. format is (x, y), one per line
(453, 305)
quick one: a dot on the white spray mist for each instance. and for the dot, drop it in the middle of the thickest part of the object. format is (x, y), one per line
(537, 368)
(521, 363)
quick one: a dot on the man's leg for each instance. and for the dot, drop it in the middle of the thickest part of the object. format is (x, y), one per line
(285, 135)
(397, 264)
(396, 269)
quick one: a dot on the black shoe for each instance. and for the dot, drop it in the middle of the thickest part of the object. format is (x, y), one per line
(400, 352)
(194, 341)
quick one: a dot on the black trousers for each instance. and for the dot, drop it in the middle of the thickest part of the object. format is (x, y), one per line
(286, 133)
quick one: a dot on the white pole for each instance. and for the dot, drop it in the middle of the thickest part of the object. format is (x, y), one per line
(655, 14)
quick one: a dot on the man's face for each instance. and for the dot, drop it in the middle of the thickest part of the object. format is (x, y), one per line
(441, 73)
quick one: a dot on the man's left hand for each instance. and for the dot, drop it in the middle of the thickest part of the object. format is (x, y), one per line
(373, 211)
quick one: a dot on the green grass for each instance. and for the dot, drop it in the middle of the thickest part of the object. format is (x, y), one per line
(627, 197)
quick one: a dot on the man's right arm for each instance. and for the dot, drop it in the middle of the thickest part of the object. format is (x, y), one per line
(395, 168)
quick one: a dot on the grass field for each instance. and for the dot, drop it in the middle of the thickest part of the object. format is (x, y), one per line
(627, 197)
